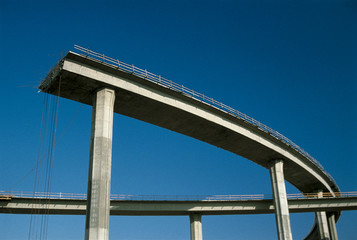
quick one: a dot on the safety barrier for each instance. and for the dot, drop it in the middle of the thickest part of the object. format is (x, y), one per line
(8, 195)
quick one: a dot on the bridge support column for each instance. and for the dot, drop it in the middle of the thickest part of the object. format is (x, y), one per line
(280, 200)
(98, 194)
(332, 226)
(322, 221)
(196, 226)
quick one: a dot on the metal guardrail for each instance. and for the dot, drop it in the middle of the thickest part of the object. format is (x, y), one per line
(24, 194)
(8, 195)
(198, 96)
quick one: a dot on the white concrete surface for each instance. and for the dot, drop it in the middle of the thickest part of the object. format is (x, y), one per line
(98, 204)
(322, 224)
(174, 208)
(280, 200)
(332, 227)
(196, 226)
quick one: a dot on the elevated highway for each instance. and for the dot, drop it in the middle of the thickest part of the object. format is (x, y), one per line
(113, 86)
(155, 102)
(222, 206)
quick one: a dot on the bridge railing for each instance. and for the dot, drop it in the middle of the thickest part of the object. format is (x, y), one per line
(24, 194)
(143, 73)
(8, 195)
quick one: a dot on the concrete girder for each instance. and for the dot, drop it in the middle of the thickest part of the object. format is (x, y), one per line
(174, 208)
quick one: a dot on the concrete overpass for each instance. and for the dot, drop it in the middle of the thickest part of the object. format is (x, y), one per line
(67, 206)
(112, 86)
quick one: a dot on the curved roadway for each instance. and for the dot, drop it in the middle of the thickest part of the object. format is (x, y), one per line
(159, 105)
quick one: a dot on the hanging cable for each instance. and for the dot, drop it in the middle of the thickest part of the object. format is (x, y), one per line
(51, 155)
(38, 228)
(59, 138)
(33, 219)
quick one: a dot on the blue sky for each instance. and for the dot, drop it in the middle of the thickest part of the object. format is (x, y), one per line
(290, 65)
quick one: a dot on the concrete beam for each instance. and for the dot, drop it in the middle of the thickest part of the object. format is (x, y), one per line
(196, 226)
(98, 204)
(161, 106)
(280, 200)
(174, 208)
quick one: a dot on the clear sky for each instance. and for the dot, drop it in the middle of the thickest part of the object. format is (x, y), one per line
(289, 64)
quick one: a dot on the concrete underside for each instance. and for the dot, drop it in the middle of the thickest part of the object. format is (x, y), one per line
(141, 99)
(174, 208)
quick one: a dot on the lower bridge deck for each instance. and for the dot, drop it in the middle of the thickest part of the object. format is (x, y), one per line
(60, 206)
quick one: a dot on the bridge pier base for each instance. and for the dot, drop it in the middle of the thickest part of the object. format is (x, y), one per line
(332, 227)
(98, 193)
(280, 200)
(196, 226)
(322, 221)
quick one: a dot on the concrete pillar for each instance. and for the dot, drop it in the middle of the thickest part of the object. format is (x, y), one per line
(332, 226)
(98, 193)
(280, 200)
(322, 221)
(196, 226)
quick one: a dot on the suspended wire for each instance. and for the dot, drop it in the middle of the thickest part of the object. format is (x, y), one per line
(48, 171)
(59, 138)
(33, 219)
(38, 228)
(51, 154)
(41, 166)
(21, 179)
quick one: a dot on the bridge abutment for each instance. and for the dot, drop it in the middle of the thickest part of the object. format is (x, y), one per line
(196, 226)
(98, 193)
(280, 200)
